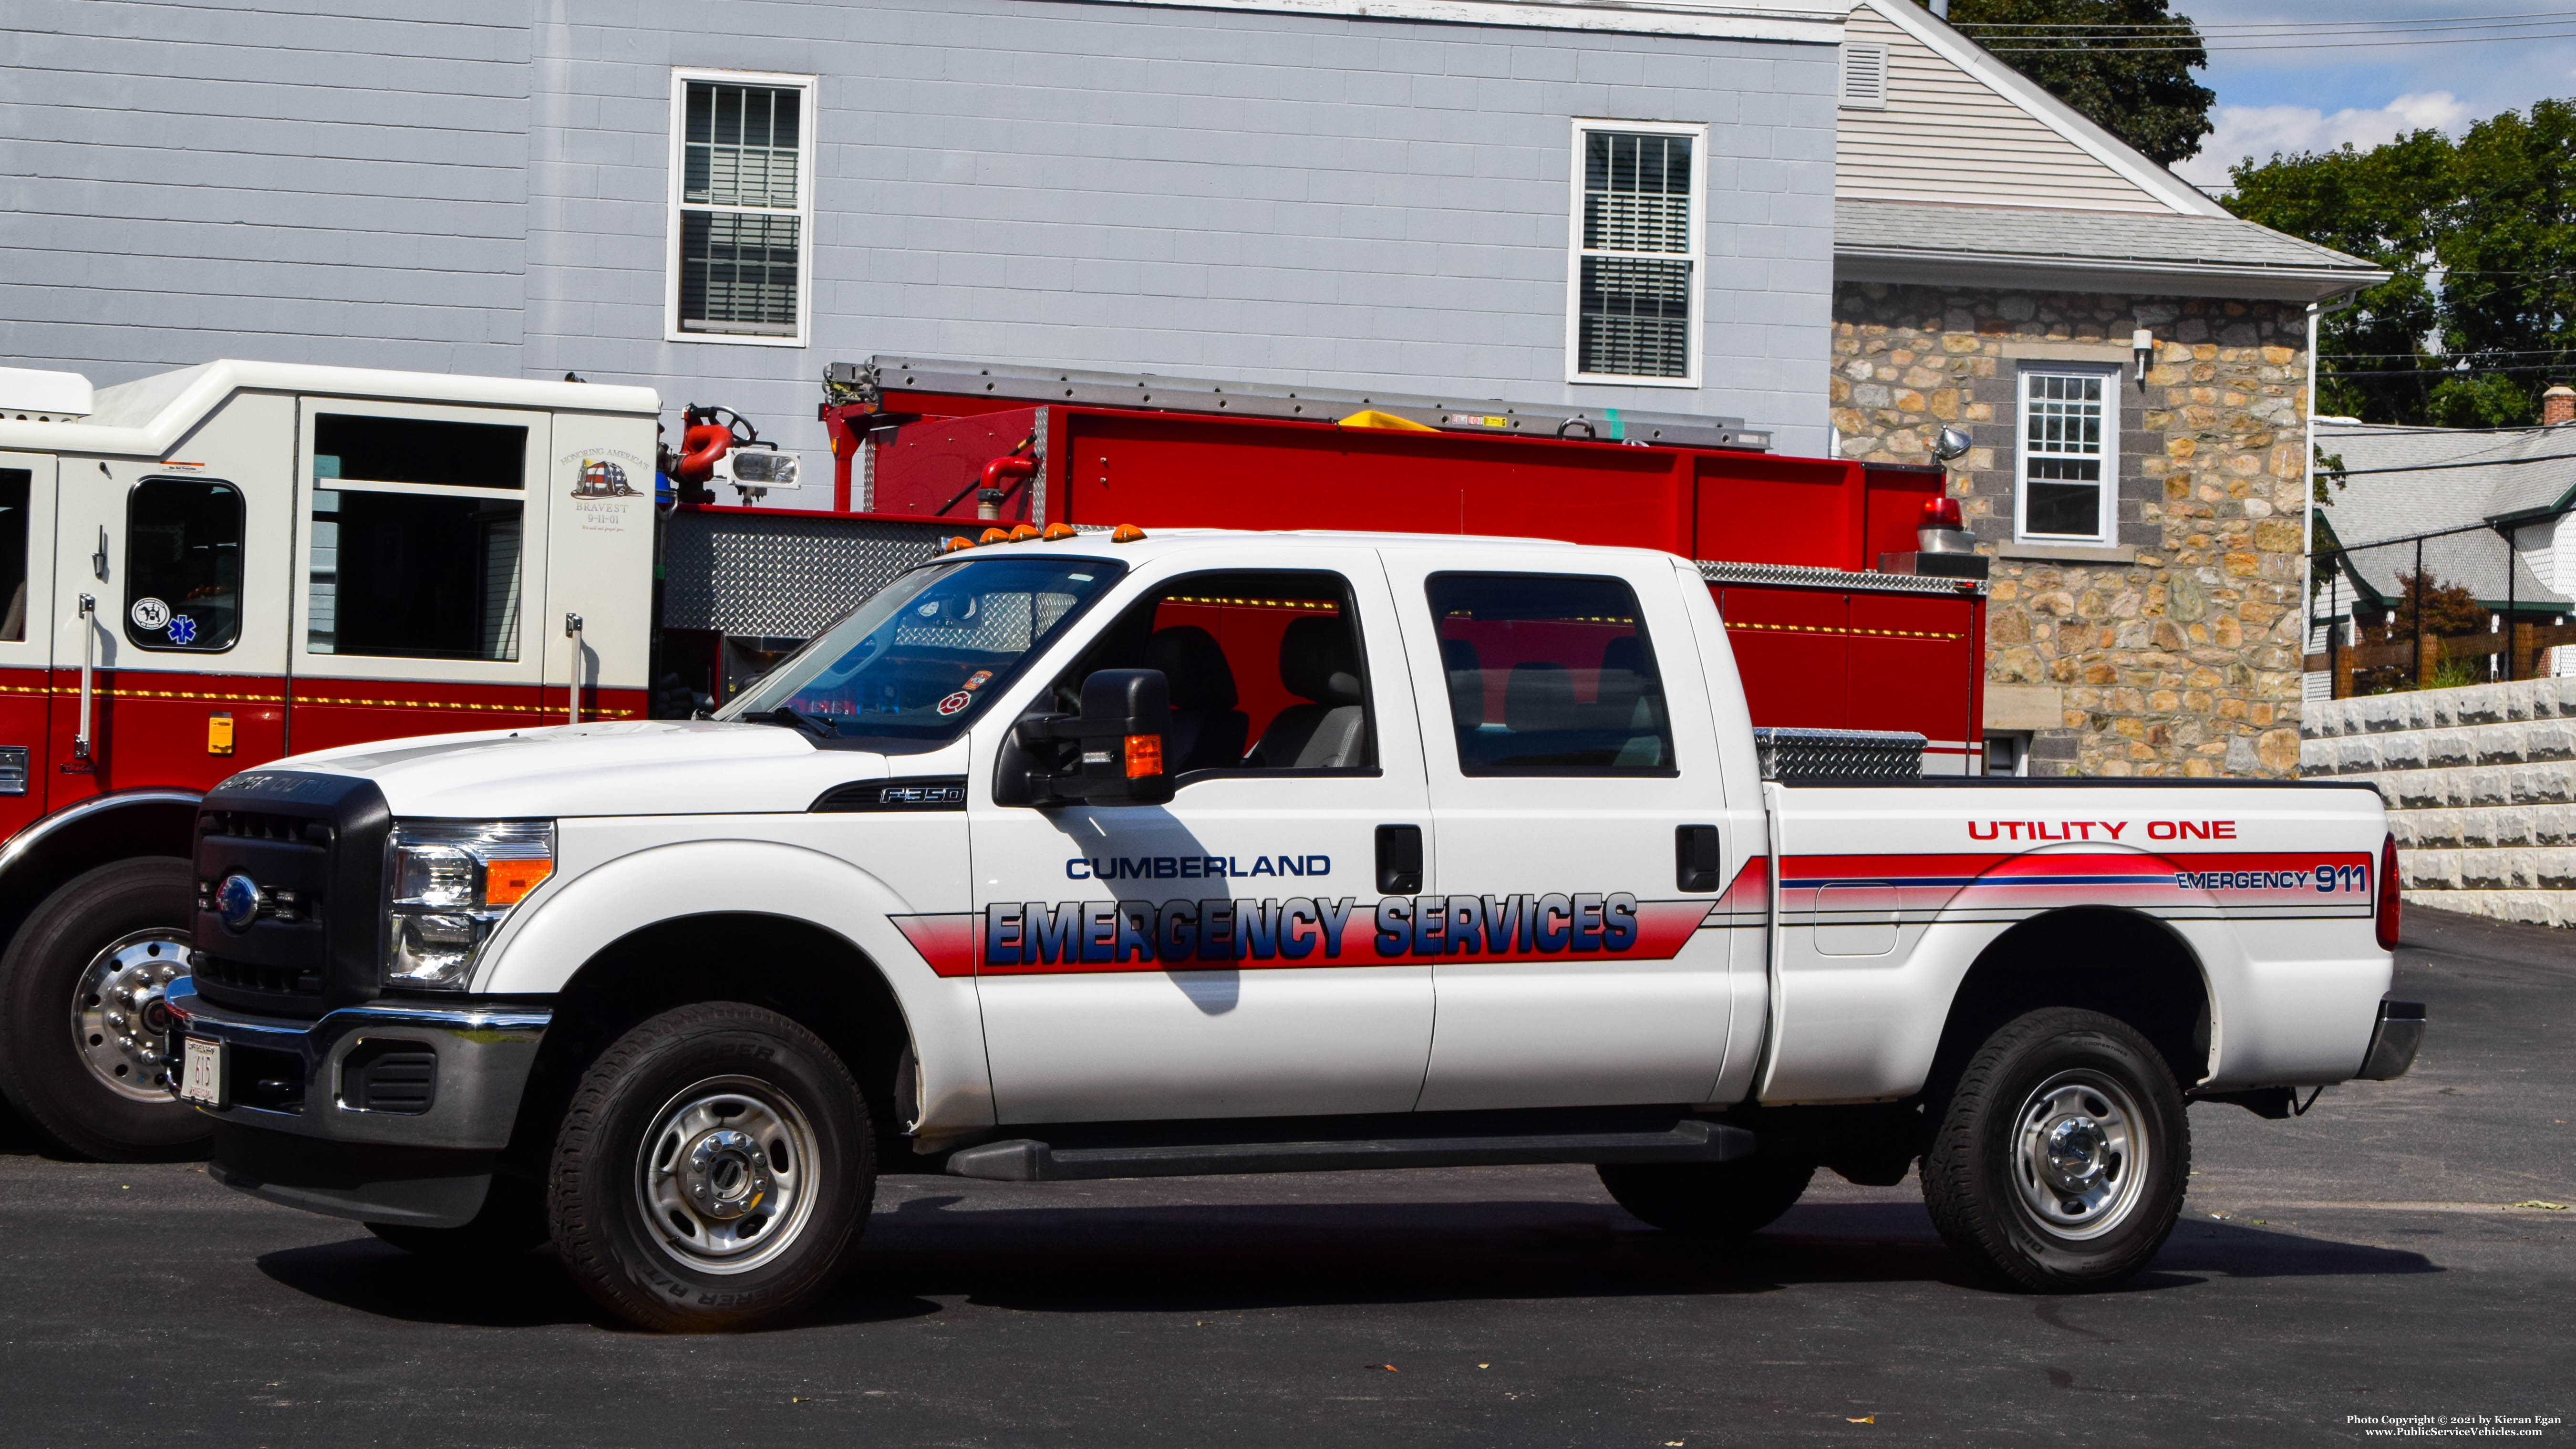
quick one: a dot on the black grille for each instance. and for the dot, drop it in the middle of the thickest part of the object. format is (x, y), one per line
(223, 971)
(389, 1076)
(314, 845)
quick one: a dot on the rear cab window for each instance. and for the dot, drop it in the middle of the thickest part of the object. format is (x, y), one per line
(418, 548)
(1550, 674)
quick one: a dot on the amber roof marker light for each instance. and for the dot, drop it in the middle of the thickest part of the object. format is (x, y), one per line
(1126, 533)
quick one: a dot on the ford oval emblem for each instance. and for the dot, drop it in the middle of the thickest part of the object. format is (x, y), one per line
(237, 902)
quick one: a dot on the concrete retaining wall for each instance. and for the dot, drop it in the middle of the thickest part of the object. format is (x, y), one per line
(2481, 790)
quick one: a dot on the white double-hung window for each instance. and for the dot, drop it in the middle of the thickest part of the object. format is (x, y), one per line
(2067, 455)
(1633, 308)
(742, 207)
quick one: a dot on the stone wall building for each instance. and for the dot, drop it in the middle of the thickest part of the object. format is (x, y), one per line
(2144, 510)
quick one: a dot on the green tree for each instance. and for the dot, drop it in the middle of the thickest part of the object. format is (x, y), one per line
(2480, 234)
(2133, 81)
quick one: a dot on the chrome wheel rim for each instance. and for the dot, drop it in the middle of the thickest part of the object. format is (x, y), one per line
(2079, 1154)
(118, 1017)
(726, 1180)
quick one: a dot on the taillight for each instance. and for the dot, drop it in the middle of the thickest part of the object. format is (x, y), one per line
(2388, 896)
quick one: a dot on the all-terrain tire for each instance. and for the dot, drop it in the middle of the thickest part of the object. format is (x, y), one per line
(713, 1172)
(2060, 1159)
(46, 1060)
(1709, 1199)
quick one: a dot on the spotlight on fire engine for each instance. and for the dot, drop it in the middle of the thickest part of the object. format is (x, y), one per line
(1952, 445)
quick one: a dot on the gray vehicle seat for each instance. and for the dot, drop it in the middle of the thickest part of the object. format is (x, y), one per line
(1458, 659)
(1207, 730)
(1320, 663)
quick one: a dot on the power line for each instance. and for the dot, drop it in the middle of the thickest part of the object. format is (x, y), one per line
(2077, 44)
(2090, 25)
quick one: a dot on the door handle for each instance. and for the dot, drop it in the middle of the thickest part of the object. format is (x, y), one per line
(572, 631)
(1399, 859)
(89, 657)
(1699, 854)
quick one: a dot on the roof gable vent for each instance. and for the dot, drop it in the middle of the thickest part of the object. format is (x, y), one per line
(1864, 77)
(30, 396)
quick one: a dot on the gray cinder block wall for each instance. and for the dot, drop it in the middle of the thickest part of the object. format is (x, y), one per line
(1295, 198)
(2481, 790)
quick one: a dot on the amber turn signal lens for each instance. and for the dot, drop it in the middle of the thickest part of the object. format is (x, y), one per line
(1144, 756)
(1056, 531)
(507, 882)
(1126, 533)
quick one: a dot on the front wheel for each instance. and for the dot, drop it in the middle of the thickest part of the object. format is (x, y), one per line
(2061, 1158)
(713, 1171)
(81, 1015)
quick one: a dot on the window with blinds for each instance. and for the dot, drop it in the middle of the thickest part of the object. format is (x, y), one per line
(741, 215)
(2069, 455)
(1636, 256)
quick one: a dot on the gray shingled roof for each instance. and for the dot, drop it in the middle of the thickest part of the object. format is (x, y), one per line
(2444, 478)
(1894, 229)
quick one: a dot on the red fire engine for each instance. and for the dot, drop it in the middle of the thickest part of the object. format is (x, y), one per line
(223, 565)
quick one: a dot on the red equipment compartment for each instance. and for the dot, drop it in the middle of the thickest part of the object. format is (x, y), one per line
(1830, 644)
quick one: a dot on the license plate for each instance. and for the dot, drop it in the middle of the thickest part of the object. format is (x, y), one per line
(201, 1072)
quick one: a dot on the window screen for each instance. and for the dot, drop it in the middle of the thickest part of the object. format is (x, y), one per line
(2066, 437)
(1550, 675)
(183, 567)
(14, 485)
(419, 450)
(414, 575)
(1637, 259)
(741, 218)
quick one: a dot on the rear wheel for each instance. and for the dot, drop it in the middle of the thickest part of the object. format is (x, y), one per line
(1709, 1199)
(2061, 1158)
(713, 1171)
(81, 1015)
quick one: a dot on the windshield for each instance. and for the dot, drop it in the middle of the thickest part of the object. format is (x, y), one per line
(917, 661)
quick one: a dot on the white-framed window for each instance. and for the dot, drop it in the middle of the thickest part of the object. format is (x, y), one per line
(1864, 77)
(1633, 307)
(740, 255)
(2067, 455)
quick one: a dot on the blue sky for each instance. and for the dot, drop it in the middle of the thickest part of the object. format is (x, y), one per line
(2316, 95)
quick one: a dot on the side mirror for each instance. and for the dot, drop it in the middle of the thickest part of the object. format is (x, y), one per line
(1117, 739)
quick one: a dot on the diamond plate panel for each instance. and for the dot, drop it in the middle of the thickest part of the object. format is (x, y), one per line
(1795, 755)
(781, 575)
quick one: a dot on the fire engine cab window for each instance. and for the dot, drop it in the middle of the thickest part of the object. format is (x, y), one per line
(419, 450)
(183, 542)
(413, 575)
(1550, 675)
(13, 554)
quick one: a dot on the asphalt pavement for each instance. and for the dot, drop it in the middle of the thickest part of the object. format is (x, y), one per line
(2360, 1263)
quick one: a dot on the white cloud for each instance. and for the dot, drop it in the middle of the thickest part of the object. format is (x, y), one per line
(2258, 131)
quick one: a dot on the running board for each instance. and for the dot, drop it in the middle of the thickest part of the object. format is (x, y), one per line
(1027, 1160)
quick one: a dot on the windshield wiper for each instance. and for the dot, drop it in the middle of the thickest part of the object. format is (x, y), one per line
(817, 725)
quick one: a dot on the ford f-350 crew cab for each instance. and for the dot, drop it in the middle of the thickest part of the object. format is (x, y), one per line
(1102, 855)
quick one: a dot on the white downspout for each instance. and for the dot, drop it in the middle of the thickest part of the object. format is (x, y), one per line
(2308, 520)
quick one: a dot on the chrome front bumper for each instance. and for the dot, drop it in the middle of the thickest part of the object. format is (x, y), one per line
(483, 1055)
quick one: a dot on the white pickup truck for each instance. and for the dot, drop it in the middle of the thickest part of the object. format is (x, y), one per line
(1094, 855)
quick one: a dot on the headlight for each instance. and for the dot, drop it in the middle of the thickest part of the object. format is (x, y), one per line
(449, 884)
